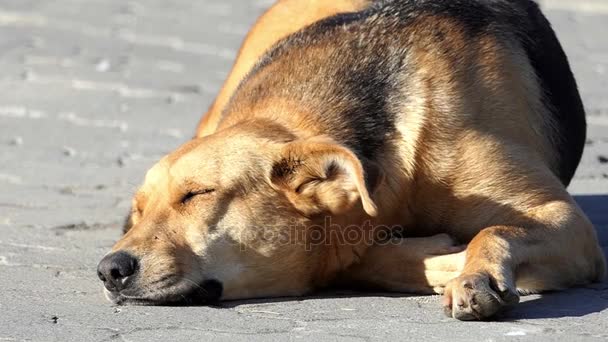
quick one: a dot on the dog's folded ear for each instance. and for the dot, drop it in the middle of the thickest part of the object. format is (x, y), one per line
(320, 176)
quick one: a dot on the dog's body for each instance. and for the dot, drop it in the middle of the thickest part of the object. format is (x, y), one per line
(435, 116)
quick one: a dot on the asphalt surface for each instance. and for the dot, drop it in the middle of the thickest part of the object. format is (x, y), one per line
(93, 92)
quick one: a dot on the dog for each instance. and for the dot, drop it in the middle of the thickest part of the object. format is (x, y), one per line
(362, 143)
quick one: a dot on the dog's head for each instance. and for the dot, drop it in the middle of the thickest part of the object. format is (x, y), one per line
(238, 214)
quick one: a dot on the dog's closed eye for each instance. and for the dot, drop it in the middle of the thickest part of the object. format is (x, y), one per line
(192, 194)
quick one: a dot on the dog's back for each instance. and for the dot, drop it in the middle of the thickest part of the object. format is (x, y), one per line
(352, 70)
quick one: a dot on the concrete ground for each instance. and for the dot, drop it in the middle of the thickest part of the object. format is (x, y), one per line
(92, 92)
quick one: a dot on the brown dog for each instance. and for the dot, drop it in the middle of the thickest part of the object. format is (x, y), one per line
(348, 127)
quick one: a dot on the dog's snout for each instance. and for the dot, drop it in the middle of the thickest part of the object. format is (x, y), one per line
(115, 268)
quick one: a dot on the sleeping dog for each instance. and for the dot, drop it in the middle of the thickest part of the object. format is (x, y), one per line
(361, 142)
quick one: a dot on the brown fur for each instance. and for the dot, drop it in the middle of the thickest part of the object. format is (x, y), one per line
(269, 29)
(470, 153)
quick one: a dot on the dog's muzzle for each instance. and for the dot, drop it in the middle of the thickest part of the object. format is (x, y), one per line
(119, 273)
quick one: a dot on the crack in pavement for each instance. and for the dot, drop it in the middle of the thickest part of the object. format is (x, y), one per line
(83, 226)
(28, 246)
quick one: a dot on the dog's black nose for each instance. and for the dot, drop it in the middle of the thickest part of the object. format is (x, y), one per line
(114, 270)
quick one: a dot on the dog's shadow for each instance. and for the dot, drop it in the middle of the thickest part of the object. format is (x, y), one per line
(576, 302)
(596, 208)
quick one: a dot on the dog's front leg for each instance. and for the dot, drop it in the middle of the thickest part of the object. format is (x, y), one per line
(413, 265)
(556, 248)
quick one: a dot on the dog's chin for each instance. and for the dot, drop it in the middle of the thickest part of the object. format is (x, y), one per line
(208, 293)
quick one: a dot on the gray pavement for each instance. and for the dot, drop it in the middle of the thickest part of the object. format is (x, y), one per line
(93, 92)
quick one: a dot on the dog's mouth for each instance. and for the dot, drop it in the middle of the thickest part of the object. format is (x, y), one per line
(208, 292)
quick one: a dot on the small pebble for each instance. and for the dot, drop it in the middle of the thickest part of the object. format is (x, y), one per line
(174, 133)
(66, 191)
(103, 65)
(28, 75)
(68, 151)
(602, 159)
(123, 127)
(16, 141)
(172, 98)
(120, 161)
(189, 89)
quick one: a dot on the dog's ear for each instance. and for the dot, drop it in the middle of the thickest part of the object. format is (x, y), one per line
(320, 176)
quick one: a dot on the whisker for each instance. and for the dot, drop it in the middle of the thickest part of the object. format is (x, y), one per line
(195, 284)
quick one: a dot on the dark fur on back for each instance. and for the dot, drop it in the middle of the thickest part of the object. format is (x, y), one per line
(561, 94)
(354, 90)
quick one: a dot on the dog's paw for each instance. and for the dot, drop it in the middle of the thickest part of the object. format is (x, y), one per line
(477, 296)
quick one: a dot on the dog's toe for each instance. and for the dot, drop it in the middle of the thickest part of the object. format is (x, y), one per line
(476, 297)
